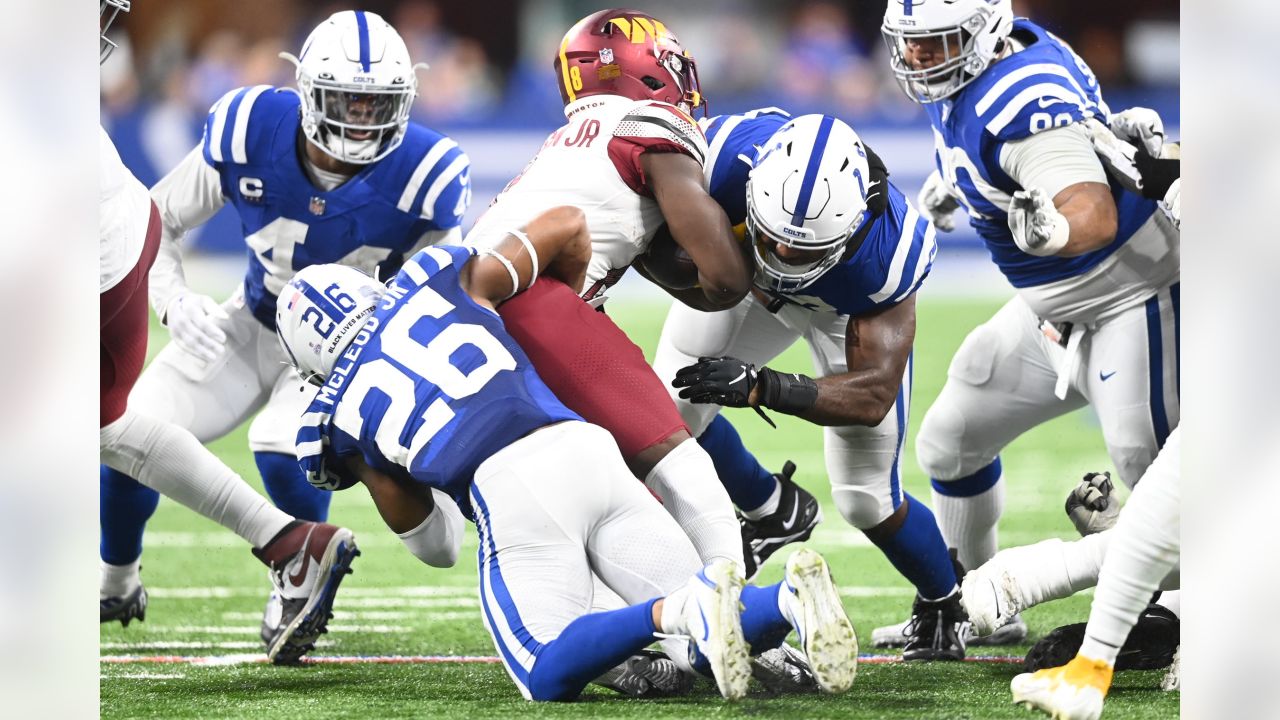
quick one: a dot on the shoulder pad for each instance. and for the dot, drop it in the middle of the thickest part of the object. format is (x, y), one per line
(228, 136)
(432, 177)
(1028, 92)
(665, 123)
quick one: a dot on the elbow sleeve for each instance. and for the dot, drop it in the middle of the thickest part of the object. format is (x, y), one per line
(437, 540)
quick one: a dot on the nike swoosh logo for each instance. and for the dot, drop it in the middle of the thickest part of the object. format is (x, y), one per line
(996, 595)
(741, 375)
(297, 578)
(790, 524)
(1050, 101)
(1106, 376)
(706, 626)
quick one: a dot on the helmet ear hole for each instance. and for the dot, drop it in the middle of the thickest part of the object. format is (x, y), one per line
(652, 82)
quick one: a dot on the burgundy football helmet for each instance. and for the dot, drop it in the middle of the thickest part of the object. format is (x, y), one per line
(627, 53)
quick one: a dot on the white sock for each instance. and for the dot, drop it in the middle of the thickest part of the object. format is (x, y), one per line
(968, 524)
(169, 459)
(769, 507)
(691, 492)
(119, 580)
(1145, 546)
(1053, 569)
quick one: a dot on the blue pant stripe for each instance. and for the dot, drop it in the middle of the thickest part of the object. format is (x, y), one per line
(1155, 357)
(900, 409)
(489, 554)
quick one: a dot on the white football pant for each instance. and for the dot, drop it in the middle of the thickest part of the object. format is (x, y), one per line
(552, 509)
(863, 463)
(212, 399)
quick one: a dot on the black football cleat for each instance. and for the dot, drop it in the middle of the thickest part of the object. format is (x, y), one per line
(936, 630)
(1151, 644)
(649, 674)
(797, 515)
(124, 608)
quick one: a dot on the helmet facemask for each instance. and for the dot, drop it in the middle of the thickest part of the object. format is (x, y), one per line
(776, 274)
(684, 72)
(107, 12)
(357, 125)
(961, 60)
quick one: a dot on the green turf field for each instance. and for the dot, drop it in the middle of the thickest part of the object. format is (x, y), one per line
(207, 594)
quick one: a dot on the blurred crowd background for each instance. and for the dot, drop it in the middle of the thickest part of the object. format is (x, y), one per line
(491, 80)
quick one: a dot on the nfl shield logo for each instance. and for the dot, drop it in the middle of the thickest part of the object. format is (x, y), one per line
(317, 206)
(606, 55)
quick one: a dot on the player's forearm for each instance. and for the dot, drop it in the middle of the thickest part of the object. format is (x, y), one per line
(693, 297)
(1091, 214)
(186, 198)
(863, 397)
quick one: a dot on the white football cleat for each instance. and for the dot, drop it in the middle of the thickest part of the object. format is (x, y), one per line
(1012, 633)
(708, 609)
(812, 605)
(991, 596)
(1075, 691)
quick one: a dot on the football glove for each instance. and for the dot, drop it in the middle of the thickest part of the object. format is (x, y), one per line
(1091, 506)
(938, 203)
(1141, 127)
(193, 324)
(723, 381)
(1136, 153)
(1037, 226)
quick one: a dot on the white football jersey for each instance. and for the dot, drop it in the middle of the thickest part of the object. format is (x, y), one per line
(123, 215)
(593, 163)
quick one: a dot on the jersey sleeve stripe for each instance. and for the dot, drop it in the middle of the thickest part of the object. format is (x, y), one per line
(1017, 76)
(420, 173)
(721, 135)
(220, 125)
(307, 449)
(676, 135)
(928, 250)
(893, 278)
(1032, 94)
(450, 174)
(241, 129)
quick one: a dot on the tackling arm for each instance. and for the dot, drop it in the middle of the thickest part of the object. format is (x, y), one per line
(561, 248)
(428, 521)
(699, 225)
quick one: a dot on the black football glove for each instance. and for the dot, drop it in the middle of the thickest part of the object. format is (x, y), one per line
(724, 381)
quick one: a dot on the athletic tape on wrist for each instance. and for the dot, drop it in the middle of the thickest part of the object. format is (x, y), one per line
(533, 254)
(511, 270)
(790, 393)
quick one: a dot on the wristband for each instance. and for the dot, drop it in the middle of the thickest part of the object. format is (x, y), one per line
(789, 393)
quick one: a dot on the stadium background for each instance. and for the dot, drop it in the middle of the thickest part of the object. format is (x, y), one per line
(492, 88)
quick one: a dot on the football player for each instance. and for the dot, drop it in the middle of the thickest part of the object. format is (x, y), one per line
(1095, 266)
(307, 560)
(630, 156)
(332, 172)
(425, 395)
(839, 255)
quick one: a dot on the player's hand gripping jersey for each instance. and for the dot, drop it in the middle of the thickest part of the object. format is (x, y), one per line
(593, 162)
(1043, 86)
(891, 255)
(251, 156)
(431, 387)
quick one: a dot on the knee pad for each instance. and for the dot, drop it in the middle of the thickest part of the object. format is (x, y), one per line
(861, 507)
(939, 442)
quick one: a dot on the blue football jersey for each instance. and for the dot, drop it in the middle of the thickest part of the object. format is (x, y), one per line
(432, 387)
(1044, 86)
(252, 139)
(897, 250)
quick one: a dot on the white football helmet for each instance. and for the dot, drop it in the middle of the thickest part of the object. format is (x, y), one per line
(320, 312)
(964, 35)
(357, 85)
(808, 193)
(107, 12)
